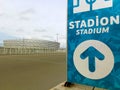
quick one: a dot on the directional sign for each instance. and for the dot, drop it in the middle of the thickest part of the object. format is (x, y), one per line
(93, 40)
(91, 58)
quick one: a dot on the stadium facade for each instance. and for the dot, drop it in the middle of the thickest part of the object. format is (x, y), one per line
(31, 43)
(28, 46)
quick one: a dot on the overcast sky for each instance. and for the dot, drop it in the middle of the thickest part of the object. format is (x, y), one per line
(37, 19)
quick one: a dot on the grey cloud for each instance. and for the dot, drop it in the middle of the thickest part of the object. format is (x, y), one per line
(20, 30)
(28, 11)
(62, 37)
(2, 28)
(26, 14)
(24, 18)
(39, 30)
(47, 36)
(1, 14)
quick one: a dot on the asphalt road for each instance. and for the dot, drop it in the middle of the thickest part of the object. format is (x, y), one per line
(32, 72)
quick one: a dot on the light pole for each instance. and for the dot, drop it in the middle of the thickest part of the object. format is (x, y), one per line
(57, 36)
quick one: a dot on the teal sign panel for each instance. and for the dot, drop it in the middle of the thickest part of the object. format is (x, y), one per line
(93, 40)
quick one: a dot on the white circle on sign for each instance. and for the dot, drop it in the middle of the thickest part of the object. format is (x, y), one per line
(102, 67)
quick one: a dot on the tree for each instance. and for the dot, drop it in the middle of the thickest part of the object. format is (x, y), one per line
(91, 3)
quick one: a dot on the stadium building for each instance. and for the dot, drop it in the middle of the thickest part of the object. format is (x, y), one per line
(28, 46)
(31, 43)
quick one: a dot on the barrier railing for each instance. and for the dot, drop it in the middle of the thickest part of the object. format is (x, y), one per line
(27, 51)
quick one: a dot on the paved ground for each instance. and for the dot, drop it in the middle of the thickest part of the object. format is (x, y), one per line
(32, 72)
(74, 87)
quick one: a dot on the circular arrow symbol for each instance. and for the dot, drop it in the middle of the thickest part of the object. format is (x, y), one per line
(91, 53)
(93, 59)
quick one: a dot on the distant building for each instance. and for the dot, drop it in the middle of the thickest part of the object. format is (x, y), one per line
(28, 46)
(31, 43)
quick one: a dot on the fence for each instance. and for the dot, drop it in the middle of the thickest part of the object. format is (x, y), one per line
(27, 51)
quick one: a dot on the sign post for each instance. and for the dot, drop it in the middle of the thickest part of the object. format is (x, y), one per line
(93, 40)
